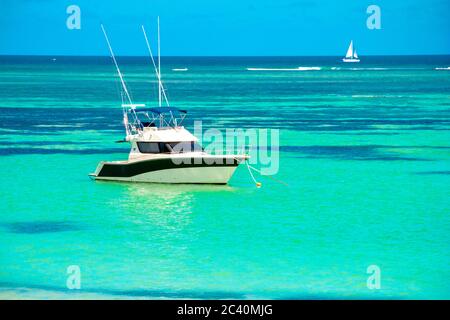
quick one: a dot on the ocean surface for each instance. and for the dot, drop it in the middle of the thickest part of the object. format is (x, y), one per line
(364, 150)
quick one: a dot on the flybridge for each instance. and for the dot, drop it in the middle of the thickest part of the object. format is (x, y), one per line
(162, 117)
(132, 122)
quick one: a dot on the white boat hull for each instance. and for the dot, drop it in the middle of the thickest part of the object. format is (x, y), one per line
(201, 170)
(212, 175)
(350, 60)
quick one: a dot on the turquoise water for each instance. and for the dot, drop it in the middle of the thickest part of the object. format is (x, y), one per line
(364, 149)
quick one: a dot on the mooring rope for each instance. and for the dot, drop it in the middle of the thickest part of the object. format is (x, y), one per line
(259, 171)
(258, 184)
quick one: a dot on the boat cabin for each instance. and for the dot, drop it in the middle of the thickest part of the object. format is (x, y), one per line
(159, 131)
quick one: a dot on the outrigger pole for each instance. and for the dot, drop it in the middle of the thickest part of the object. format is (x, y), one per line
(117, 66)
(161, 91)
(159, 66)
(124, 86)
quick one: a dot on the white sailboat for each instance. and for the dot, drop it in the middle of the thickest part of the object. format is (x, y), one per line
(351, 55)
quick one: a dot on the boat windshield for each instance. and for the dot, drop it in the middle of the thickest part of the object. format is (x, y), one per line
(170, 147)
(183, 147)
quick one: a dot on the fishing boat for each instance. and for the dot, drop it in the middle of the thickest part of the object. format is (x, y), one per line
(162, 149)
(351, 55)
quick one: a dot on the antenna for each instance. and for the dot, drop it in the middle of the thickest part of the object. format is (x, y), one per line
(159, 66)
(160, 85)
(117, 66)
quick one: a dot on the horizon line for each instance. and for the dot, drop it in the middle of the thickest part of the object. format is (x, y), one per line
(225, 56)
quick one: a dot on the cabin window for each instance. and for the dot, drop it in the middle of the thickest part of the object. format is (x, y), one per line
(182, 147)
(172, 147)
(165, 147)
(148, 147)
(154, 147)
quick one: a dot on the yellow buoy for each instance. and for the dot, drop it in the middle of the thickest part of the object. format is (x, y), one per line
(258, 184)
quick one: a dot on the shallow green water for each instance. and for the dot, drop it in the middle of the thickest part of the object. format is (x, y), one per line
(365, 153)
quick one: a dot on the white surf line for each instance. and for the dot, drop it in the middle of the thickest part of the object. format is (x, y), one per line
(375, 69)
(180, 69)
(447, 68)
(367, 69)
(286, 69)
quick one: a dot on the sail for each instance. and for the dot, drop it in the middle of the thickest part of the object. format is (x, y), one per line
(355, 55)
(350, 50)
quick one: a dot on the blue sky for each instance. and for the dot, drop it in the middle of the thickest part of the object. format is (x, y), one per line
(223, 28)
